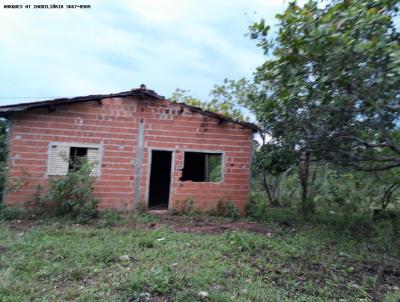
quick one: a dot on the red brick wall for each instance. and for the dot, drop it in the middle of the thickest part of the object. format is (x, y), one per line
(114, 125)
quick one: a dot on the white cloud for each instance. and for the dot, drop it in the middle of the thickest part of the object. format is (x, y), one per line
(161, 11)
(112, 47)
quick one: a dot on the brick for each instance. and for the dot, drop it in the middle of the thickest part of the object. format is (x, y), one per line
(115, 125)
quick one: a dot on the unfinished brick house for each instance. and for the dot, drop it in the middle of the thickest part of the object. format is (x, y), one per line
(146, 149)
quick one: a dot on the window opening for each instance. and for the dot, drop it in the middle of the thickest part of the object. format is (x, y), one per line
(202, 167)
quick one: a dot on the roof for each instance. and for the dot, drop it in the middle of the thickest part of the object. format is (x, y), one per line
(6, 110)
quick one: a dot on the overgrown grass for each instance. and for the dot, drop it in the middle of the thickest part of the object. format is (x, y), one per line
(53, 261)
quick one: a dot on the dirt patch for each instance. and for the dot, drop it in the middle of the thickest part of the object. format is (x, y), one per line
(209, 225)
(221, 228)
(179, 223)
(203, 224)
(21, 225)
(386, 276)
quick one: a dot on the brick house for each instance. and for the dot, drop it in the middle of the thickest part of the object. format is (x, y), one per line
(145, 149)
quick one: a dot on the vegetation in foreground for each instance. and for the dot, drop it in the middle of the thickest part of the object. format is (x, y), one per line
(149, 258)
(327, 96)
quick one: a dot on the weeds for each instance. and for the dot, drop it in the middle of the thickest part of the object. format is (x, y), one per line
(57, 262)
(188, 206)
(12, 212)
(110, 218)
(69, 196)
(227, 209)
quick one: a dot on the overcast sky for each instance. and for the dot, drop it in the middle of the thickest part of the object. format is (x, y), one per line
(118, 45)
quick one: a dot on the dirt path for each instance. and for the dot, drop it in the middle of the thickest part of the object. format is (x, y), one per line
(208, 224)
(180, 223)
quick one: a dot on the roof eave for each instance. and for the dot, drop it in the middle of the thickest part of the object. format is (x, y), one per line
(7, 110)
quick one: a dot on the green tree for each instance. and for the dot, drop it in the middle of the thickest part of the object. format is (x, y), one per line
(218, 103)
(330, 87)
(272, 164)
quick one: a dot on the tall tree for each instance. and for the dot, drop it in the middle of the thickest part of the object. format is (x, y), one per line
(272, 163)
(273, 159)
(218, 103)
(330, 87)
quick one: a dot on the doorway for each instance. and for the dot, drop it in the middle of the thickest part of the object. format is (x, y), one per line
(160, 179)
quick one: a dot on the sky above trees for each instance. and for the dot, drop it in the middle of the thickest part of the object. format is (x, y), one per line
(118, 45)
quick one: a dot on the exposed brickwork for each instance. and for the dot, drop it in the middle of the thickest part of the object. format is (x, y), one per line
(114, 124)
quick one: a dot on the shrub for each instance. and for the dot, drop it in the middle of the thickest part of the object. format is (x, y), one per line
(111, 218)
(158, 281)
(188, 206)
(146, 243)
(71, 195)
(185, 207)
(257, 206)
(161, 281)
(140, 207)
(3, 176)
(228, 209)
(243, 242)
(11, 212)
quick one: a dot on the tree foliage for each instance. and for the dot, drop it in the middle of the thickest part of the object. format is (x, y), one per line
(328, 91)
(331, 85)
(272, 163)
(70, 195)
(219, 103)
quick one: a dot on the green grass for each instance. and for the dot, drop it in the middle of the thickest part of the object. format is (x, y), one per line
(60, 261)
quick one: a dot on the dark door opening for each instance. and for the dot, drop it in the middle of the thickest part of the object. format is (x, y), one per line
(160, 179)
